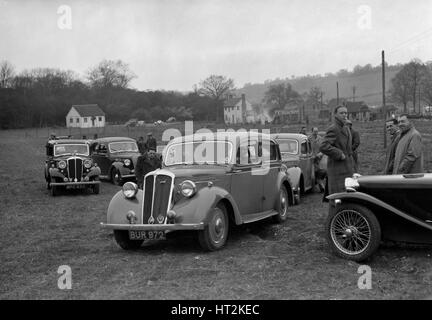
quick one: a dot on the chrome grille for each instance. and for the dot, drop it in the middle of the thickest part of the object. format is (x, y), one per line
(75, 168)
(158, 188)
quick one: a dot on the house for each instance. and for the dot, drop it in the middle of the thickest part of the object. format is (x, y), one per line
(238, 110)
(377, 113)
(85, 116)
(289, 114)
(358, 110)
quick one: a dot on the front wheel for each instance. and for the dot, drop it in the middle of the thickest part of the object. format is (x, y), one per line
(96, 188)
(122, 239)
(282, 206)
(215, 234)
(353, 232)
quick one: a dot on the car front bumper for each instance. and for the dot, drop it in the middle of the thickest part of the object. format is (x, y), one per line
(74, 183)
(154, 227)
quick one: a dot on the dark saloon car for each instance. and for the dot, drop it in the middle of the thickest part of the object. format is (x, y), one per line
(296, 151)
(232, 178)
(69, 165)
(375, 208)
(116, 157)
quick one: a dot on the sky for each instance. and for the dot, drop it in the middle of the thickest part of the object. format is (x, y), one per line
(174, 44)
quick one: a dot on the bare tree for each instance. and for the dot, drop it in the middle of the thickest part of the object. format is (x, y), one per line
(426, 86)
(314, 97)
(7, 73)
(109, 73)
(215, 87)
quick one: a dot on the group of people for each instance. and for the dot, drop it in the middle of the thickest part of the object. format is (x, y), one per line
(148, 160)
(340, 143)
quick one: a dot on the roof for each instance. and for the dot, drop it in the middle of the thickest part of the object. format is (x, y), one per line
(114, 139)
(88, 110)
(219, 136)
(69, 141)
(297, 136)
(357, 106)
(232, 102)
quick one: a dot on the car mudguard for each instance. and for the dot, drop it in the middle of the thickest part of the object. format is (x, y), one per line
(119, 207)
(294, 175)
(120, 166)
(94, 171)
(363, 198)
(284, 178)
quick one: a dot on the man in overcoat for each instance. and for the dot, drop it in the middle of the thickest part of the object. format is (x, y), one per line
(409, 151)
(337, 145)
(394, 133)
(355, 144)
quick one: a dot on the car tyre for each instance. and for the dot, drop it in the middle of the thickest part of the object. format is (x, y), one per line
(96, 188)
(116, 177)
(353, 232)
(297, 196)
(215, 233)
(282, 206)
(122, 239)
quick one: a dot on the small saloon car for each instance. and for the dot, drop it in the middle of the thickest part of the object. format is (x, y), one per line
(230, 178)
(296, 151)
(375, 208)
(69, 165)
(116, 157)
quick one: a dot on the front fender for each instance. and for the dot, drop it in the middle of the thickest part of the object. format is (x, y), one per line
(199, 207)
(119, 206)
(120, 166)
(363, 198)
(94, 172)
(54, 172)
(284, 178)
(294, 175)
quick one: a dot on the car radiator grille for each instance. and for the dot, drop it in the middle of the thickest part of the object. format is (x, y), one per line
(75, 169)
(157, 195)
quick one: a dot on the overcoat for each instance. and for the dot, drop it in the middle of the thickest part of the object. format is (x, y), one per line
(336, 142)
(390, 154)
(409, 153)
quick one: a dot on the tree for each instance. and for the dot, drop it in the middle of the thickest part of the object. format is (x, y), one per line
(109, 73)
(7, 72)
(314, 97)
(215, 87)
(281, 94)
(426, 86)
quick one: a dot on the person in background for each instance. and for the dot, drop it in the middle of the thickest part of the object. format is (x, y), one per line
(141, 145)
(320, 164)
(146, 162)
(337, 145)
(303, 131)
(409, 150)
(151, 143)
(355, 144)
(394, 133)
(315, 140)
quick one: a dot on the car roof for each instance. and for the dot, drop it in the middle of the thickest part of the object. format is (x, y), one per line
(221, 136)
(69, 141)
(297, 136)
(114, 139)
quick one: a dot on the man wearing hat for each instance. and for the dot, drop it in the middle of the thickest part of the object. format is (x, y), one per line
(355, 144)
(151, 143)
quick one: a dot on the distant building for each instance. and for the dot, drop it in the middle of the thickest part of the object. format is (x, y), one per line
(358, 110)
(238, 110)
(85, 116)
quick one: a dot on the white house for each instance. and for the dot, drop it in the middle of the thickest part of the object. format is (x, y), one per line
(238, 110)
(85, 116)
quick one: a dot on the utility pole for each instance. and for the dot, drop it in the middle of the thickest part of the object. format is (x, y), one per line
(383, 96)
(337, 92)
(354, 91)
(321, 100)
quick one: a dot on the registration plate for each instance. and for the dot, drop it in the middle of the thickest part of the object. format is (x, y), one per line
(146, 235)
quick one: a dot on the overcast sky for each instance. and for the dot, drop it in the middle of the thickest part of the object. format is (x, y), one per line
(173, 44)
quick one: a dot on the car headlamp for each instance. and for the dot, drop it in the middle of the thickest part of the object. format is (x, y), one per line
(188, 188)
(127, 162)
(87, 163)
(351, 184)
(62, 164)
(130, 189)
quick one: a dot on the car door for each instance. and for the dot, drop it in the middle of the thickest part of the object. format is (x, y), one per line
(246, 184)
(271, 191)
(305, 163)
(100, 156)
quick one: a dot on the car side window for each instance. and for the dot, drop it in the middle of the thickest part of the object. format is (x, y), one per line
(101, 148)
(304, 150)
(309, 148)
(270, 152)
(248, 154)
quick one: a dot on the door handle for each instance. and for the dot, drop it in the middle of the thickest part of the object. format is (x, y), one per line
(237, 171)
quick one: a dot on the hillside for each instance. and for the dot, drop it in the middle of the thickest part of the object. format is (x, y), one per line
(368, 86)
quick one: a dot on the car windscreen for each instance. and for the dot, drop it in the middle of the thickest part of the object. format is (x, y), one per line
(288, 146)
(199, 152)
(70, 149)
(123, 146)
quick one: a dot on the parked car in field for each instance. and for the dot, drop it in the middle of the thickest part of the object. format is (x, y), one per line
(131, 123)
(116, 157)
(375, 208)
(69, 165)
(296, 151)
(204, 186)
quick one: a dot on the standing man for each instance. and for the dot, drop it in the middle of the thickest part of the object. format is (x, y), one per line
(315, 141)
(337, 145)
(303, 131)
(141, 145)
(151, 143)
(355, 144)
(409, 153)
(394, 133)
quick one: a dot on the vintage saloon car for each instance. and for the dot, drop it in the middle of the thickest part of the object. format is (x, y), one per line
(116, 157)
(296, 151)
(69, 165)
(204, 186)
(375, 208)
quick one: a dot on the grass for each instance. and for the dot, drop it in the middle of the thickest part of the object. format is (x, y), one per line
(39, 233)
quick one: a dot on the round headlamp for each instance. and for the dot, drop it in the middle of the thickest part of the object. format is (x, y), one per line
(130, 189)
(351, 183)
(87, 163)
(62, 164)
(127, 162)
(188, 188)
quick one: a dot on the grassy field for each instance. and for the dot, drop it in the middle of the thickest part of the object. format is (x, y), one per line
(39, 233)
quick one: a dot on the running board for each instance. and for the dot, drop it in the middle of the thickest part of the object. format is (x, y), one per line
(259, 216)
